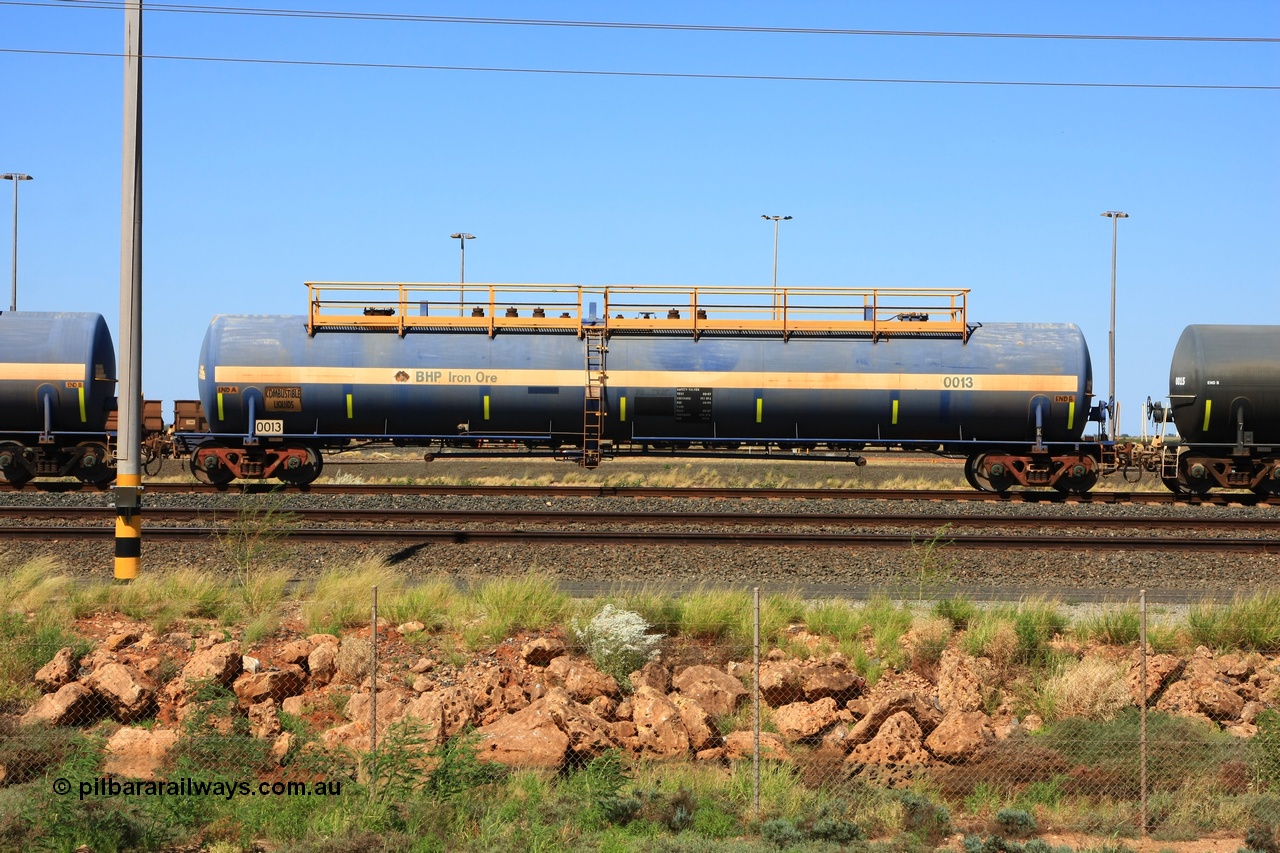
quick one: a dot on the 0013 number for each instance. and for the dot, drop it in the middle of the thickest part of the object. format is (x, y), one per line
(273, 427)
(957, 382)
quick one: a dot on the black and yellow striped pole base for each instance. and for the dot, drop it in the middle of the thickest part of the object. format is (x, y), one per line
(128, 526)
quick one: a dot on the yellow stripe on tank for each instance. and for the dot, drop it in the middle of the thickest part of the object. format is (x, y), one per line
(1071, 415)
(83, 418)
(759, 410)
(515, 377)
(1208, 404)
(486, 407)
(220, 415)
(37, 372)
(895, 412)
(622, 408)
(349, 415)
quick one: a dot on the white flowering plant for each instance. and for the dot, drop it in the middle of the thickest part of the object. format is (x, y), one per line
(617, 640)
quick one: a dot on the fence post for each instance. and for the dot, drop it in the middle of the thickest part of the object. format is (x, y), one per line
(373, 686)
(755, 726)
(1142, 716)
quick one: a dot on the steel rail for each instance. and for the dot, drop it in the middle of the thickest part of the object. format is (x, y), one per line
(1083, 544)
(702, 519)
(1032, 496)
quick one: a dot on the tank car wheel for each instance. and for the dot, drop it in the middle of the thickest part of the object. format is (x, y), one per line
(1270, 485)
(12, 469)
(995, 481)
(1188, 482)
(207, 467)
(970, 469)
(92, 466)
(305, 473)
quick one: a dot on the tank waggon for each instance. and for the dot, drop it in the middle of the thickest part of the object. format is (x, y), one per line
(57, 387)
(1224, 398)
(655, 368)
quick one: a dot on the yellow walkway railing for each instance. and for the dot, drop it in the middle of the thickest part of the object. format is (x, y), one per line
(876, 312)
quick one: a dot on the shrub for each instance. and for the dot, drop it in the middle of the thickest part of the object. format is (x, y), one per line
(1016, 822)
(781, 833)
(618, 641)
(924, 818)
(1265, 747)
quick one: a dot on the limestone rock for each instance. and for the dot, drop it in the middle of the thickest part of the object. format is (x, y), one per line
(804, 720)
(138, 753)
(960, 735)
(542, 651)
(660, 729)
(959, 686)
(57, 673)
(126, 691)
(72, 705)
(899, 741)
(715, 690)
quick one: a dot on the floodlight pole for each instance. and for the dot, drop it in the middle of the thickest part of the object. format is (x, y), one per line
(776, 220)
(17, 178)
(1115, 216)
(462, 237)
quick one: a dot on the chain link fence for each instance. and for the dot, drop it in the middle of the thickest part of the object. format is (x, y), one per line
(827, 720)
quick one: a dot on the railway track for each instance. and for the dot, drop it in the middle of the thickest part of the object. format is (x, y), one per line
(594, 518)
(705, 529)
(702, 492)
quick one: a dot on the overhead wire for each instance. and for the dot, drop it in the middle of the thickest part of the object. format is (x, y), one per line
(454, 19)
(676, 75)
(632, 25)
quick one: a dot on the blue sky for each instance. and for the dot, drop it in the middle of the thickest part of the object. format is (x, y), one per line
(261, 176)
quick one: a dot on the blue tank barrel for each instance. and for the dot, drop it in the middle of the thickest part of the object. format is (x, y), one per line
(57, 371)
(735, 386)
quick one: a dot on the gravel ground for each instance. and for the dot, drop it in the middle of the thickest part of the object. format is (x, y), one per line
(1085, 576)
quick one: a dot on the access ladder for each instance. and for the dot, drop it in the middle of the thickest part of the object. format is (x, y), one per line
(593, 397)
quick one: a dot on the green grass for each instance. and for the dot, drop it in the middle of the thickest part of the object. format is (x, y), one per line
(343, 596)
(1251, 622)
(1116, 626)
(502, 606)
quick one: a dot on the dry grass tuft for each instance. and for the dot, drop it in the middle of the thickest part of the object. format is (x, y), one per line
(1091, 688)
